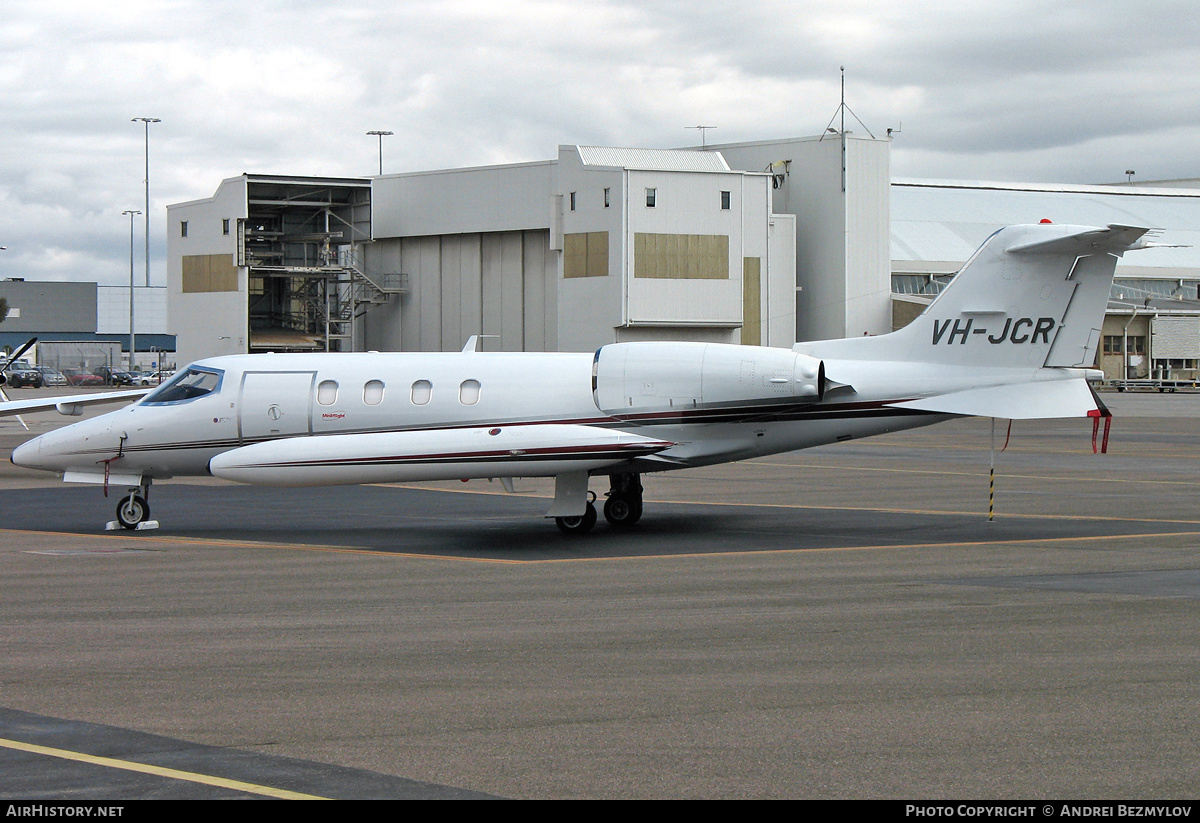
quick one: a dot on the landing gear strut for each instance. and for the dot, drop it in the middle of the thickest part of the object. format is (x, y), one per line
(133, 508)
(623, 507)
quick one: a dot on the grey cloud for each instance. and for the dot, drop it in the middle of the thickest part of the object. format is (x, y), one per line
(1016, 90)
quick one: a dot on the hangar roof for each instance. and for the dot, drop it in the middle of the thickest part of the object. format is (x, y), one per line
(938, 224)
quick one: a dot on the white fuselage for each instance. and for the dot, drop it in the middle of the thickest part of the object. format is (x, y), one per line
(287, 419)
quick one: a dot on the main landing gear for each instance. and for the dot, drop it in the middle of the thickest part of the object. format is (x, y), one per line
(581, 524)
(622, 509)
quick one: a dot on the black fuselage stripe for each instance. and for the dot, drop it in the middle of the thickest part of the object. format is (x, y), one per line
(739, 414)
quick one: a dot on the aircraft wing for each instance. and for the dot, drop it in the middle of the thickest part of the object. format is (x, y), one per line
(71, 405)
(1026, 401)
(538, 450)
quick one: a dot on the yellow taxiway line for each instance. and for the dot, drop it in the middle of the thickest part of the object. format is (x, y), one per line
(159, 771)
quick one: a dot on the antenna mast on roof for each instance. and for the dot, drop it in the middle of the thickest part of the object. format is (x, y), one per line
(841, 110)
(703, 129)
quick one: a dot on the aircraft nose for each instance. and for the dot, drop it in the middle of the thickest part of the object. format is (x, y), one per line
(70, 447)
(28, 454)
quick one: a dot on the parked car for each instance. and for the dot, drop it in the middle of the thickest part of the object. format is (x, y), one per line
(19, 373)
(113, 377)
(75, 377)
(52, 377)
(149, 378)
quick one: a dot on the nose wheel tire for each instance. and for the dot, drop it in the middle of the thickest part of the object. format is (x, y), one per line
(577, 525)
(132, 510)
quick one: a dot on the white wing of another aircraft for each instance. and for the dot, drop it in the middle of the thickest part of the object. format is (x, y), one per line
(1014, 335)
(71, 405)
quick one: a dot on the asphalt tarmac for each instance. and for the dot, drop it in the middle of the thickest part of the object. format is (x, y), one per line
(840, 622)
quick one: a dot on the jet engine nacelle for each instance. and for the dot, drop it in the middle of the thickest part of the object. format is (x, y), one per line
(676, 378)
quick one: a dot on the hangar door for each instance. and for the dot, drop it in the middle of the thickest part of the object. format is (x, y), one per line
(274, 404)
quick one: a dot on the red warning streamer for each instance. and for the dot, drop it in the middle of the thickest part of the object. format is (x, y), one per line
(1096, 414)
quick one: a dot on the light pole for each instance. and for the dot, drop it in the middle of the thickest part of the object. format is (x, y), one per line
(147, 121)
(132, 336)
(380, 135)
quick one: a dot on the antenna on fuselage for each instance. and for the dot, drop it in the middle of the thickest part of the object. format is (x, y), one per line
(472, 343)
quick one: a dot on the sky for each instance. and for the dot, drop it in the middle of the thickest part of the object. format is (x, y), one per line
(1017, 91)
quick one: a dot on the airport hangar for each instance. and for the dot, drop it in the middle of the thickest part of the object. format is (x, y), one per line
(759, 243)
(82, 324)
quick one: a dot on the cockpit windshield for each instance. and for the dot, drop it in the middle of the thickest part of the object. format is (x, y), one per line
(188, 384)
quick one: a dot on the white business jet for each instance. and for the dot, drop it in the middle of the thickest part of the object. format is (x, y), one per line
(1013, 336)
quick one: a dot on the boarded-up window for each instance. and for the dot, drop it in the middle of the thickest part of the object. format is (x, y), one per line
(752, 301)
(585, 254)
(209, 272)
(681, 256)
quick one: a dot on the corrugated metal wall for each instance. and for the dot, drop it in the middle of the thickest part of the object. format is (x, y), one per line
(495, 283)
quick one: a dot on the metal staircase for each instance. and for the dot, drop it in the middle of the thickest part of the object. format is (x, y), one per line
(325, 300)
(302, 243)
(349, 290)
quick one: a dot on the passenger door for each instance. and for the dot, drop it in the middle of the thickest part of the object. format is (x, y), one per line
(275, 404)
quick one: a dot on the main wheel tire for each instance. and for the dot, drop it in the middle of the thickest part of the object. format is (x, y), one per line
(577, 525)
(622, 511)
(132, 510)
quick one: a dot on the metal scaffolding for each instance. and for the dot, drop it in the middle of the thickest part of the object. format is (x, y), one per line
(301, 244)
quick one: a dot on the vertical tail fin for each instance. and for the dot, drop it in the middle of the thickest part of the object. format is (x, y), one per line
(1031, 296)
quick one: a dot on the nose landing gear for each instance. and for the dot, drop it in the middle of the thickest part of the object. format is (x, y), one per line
(133, 512)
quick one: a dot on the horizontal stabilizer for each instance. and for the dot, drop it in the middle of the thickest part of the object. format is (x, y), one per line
(1082, 240)
(1028, 401)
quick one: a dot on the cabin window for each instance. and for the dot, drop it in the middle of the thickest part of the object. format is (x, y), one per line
(327, 392)
(651, 198)
(373, 393)
(468, 392)
(183, 228)
(422, 390)
(725, 200)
